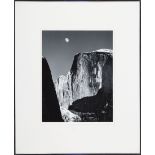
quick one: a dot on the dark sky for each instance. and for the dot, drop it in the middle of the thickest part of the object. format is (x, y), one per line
(60, 53)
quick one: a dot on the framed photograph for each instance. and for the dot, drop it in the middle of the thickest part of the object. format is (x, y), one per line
(77, 77)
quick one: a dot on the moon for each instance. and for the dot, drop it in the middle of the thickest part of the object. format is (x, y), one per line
(67, 40)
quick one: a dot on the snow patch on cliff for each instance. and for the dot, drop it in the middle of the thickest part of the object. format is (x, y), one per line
(104, 50)
(69, 116)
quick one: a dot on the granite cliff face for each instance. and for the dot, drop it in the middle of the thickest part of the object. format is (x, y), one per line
(63, 88)
(90, 72)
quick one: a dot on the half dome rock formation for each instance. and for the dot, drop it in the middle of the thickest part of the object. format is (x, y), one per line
(50, 105)
(89, 72)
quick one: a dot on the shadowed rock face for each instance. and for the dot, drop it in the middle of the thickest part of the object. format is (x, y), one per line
(100, 105)
(50, 105)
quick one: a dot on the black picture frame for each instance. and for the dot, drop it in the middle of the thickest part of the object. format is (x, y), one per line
(139, 75)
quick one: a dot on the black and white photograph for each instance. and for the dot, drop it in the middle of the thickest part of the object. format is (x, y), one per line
(77, 76)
